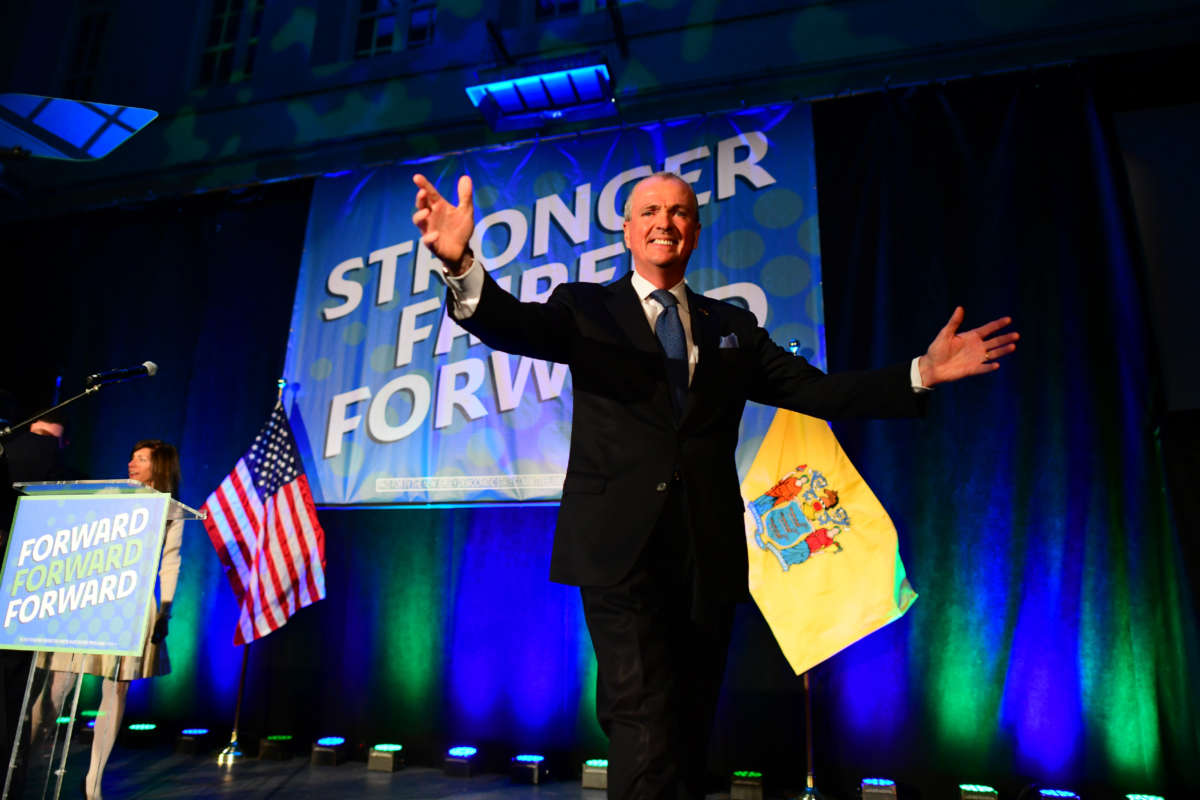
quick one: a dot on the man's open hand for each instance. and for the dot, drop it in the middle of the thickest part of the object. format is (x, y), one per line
(445, 228)
(953, 355)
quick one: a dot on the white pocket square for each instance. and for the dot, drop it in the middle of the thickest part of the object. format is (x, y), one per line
(730, 341)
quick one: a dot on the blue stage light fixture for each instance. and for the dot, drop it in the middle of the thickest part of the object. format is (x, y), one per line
(1144, 797)
(535, 95)
(534, 92)
(1058, 793)
(141, 734)
(386, 758)
(976, 791)
(460, 761)
(276, 747)
(877, 788)
(75, 130)
(746, 784)
(192, 741)
(328, 751)
(528, 768)
(595, 774)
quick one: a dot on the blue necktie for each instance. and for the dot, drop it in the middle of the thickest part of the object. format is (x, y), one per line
(669, 331)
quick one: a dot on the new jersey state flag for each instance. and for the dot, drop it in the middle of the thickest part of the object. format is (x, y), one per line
(825, 567)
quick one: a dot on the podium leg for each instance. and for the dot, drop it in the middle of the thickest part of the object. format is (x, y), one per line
(13, 775)
(38, 762)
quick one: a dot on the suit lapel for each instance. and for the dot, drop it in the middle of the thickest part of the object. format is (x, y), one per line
(626, 309)
(705, 330)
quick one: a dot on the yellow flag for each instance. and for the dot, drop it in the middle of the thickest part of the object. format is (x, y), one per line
(825, 568)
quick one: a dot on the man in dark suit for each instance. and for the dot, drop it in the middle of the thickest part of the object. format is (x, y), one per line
(650, 524)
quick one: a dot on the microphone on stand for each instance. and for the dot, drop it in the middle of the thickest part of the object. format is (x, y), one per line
(146, 368)
(93, 383)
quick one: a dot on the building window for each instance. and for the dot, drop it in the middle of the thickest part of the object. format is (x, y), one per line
(386, 26)
(94, 16)
(232, 42)
(544, 9)
(420, 24)
(548, 9)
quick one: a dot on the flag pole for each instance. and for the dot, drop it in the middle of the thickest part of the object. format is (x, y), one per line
(810, 791)
(233, 751)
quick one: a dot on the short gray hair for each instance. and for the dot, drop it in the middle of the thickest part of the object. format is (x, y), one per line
(674, 176)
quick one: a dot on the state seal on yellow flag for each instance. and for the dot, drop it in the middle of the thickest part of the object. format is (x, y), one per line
(825, 565)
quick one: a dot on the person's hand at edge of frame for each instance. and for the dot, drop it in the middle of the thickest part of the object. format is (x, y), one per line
(445, 228)
(161, 625)
(952, 355)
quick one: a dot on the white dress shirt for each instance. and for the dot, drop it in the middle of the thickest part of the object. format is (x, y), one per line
(652, 309)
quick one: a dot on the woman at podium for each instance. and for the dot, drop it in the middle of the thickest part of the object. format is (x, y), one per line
(156, 464)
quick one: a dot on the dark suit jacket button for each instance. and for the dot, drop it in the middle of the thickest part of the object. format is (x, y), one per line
(662, 487)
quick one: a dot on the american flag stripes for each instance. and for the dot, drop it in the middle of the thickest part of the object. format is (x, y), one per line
(262, 521)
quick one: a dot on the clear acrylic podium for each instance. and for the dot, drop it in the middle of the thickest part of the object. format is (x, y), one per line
(37, 765)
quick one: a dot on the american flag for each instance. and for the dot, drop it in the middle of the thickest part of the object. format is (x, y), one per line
(263, 523)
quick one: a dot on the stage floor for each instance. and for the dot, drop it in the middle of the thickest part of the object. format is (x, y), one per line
(162, 774)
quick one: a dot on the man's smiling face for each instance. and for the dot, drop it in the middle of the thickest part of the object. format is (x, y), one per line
(662, 229)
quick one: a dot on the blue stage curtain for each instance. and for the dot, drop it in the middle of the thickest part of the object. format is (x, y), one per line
(1055, 636)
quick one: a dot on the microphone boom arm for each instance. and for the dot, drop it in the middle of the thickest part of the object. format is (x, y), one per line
(11, 429)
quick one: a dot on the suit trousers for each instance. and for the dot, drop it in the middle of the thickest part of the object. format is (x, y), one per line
(660, 654)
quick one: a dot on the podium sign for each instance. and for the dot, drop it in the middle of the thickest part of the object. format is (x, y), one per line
(79, 572)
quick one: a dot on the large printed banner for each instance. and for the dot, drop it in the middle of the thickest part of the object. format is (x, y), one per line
(79, 572)
(392, 402)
